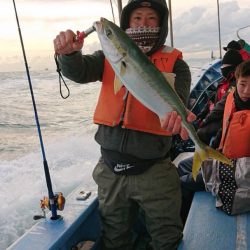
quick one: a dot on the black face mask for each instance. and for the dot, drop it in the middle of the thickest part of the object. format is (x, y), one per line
(227, 70)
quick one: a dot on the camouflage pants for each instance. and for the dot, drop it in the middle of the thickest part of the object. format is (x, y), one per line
(156, 191)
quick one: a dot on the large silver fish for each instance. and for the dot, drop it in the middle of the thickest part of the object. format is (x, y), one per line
(146, 83)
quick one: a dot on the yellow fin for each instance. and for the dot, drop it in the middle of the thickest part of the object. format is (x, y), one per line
(202, 154)
(197, 160)
(170, 77)
(123, 68)
(212, 153)
(117, 84)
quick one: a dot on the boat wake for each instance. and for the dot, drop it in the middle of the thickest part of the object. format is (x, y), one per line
(23, 184)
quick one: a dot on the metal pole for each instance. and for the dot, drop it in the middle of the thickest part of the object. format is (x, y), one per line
(218, 8)
(170, 23)
(119, 3)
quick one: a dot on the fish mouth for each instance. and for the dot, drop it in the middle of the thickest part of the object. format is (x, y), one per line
(99, 25)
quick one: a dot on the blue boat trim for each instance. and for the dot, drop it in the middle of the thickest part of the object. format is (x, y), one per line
(204, 86)
(78, 216)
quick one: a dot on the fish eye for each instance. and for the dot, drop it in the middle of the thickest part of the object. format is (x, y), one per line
(108, 32)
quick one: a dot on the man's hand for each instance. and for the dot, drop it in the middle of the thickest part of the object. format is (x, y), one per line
(66, 43)
(172, 123)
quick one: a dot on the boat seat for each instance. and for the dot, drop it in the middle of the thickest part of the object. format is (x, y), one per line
(209, 228)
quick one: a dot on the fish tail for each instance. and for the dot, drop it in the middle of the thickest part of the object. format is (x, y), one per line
(201, 154)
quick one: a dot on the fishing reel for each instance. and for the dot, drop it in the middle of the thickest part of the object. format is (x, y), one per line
(58, 200)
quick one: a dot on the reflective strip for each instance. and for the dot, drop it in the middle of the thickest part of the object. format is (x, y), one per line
(167, 49)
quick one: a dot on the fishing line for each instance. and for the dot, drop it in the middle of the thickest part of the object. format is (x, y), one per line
(45, 164)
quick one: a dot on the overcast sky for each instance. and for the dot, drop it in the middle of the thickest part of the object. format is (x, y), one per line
(195, 27)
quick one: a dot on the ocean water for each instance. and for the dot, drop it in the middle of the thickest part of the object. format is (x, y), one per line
(67, 132)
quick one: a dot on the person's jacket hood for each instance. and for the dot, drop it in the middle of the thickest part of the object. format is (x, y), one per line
(160, 6)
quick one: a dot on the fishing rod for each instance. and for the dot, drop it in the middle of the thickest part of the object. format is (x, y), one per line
(52, 203)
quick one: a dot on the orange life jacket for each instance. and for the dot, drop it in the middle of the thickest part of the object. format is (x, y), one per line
(235, 141)
(112, 109)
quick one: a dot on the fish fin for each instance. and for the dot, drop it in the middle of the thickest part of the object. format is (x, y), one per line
(117, 84)
(123, 68)
(212, 153)
(170, 77)
(201, 155)
(197, 160)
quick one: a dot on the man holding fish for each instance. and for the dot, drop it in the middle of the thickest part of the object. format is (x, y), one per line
(135, 135)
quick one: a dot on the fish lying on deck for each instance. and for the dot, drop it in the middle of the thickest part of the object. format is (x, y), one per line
(146, 83)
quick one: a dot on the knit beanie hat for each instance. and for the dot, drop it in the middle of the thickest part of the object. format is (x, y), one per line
(233, 45)
(232, 57)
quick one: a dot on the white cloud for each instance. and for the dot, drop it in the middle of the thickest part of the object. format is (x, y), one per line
(197, 28)
(194, 22)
